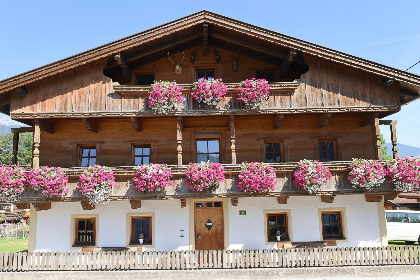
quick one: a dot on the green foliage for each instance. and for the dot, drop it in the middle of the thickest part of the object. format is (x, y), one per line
(24, 149)
(2, 217)
(384, 149)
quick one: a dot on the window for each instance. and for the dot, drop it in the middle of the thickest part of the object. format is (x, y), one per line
(401, 217)
(331, 225)
(85, 231)
(273, 152)
(268, 75)
(87, 156)
(141, 155)
(145, 79)
(207, 74)
(208, 150)
(141, 225)
(277, 222)
(326, 150)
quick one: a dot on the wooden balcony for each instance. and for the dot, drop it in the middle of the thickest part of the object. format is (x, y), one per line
(124, 189)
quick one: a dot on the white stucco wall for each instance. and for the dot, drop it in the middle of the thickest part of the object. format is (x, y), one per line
(245, 231)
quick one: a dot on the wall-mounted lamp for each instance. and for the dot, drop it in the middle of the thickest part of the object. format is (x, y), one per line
(182, 233)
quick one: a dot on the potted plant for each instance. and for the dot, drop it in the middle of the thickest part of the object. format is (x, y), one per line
(366, 174)
(164, 97)
(141, 238)
(152, 177)
(404, 173)
(253, 93)
(278, 235)
(204, 175)
(210, 92)
(12, 182)
(51, 181)
(96, 183)
(311, 175)
(256, 177)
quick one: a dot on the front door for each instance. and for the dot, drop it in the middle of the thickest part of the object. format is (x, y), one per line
(208, 225)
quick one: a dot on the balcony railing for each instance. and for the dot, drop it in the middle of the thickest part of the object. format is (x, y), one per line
(124, 189)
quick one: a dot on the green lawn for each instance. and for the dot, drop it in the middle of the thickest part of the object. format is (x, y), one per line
(393, 243)
(14, 245)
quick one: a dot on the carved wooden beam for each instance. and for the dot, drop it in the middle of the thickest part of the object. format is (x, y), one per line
(136, 123)
(23, 205)
(124, 66)
(42, 206)
(234, 201)
(284, 67)
(91, 124)
(205, 38)
(323, 119)
(282, 199)
(135, 204)
(373, 197)
(278, 119)
(46, 126)
(183, 202)
(20, 91)
(390, 196)
(368, 119)
(387, 83)
(327, 198)
(87, 206)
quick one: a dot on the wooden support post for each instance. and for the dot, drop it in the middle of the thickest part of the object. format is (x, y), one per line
(232, 138)
(179, 129)
(126, 70)
(91, 124)
(205, 38)
(327, 198)
(278, 119)
(394, 139)
(234, 201)
(373, 197)
(284, 67)
(46, 126)
(15, 147)
(37, 140)
(135, 204)
(39, 206)
(137, 123)
(368, 119)
(378, 140)
(323, 119)
(183, 202)
(87, 206)
(282, 199)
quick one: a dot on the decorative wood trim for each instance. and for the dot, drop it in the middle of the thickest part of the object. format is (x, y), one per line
(284, 67)
(205, 38)
(91, 124)
(23, 205)
(323, 119)
(15, 147)
(39, 206)
(126, 70)
(183, 202)
(234, 201)
(394, 139)
(135, 204)
(378, 145)
(86, 205)
(179, 129)
(282, 199)
(232, 138)
(327, 198)
(37, 142)
(137, 123)
(46, 125)
(278, 119)
(373, 197)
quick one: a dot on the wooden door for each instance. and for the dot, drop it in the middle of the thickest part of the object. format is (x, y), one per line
(208, 225)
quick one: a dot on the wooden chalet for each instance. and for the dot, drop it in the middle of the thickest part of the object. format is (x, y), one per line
(91, 108)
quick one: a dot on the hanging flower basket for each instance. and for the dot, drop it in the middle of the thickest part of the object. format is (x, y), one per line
(366, 174)
(404, 173)
(164, 97)
(204, 175)
(311, 175)
(152, 177)
(51, 181)
(256, 177)
(253, 93)
(96, 183)
(210, 92)
(12, 182)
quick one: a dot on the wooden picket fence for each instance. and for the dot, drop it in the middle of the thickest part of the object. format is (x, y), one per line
(229, 259)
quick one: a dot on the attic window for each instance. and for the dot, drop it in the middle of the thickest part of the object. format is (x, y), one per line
(268, 75)
(145, 79)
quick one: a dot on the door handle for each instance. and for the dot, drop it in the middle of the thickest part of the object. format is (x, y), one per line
(197, 236)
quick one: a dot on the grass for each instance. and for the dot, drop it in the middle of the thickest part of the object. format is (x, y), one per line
(14, 245)
(393, 243)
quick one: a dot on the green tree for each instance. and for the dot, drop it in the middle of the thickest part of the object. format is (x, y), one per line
(24, 148)
(384, 149)
(2, 217)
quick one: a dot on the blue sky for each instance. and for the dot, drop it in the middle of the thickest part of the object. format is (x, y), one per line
(34, 33)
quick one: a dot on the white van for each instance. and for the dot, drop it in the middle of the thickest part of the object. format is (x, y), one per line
(403, 225)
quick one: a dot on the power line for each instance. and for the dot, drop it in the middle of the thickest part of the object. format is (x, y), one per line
(413, 65)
